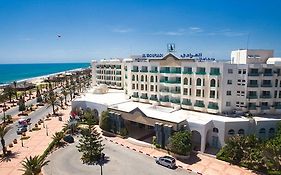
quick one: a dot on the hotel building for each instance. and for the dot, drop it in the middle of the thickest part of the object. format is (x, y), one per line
(210, 98)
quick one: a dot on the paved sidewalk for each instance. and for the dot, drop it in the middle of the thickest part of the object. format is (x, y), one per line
(35, 145)
(202, 164)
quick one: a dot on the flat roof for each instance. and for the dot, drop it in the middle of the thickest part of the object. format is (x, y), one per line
(116, 99)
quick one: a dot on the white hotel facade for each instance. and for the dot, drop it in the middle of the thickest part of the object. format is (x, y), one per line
(210, 97)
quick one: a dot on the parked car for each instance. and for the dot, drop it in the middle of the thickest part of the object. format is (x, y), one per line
(21, 130)
(166, 161)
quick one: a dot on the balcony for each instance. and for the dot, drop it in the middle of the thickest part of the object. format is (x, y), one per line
(144, 71)
(265, 107)
(201, 73)
(153, 98)
(253, 85)
(175, 71)
(266, 85)
(265, 96)
(187, 72)
(199, 104)
(277, 107)
(186, 102)
(213, 106)
(118, 66)
(268, 74)
(176, 101)
(174, 82)
(164, 100)
(215, 73)
(252, 107)
(175, 91)
(254, 74)
(252, 96)
(118, 73)
(164, 90)
(135, 70)
(143, 97)
(164, 71)
(135, 96)
(153, 71)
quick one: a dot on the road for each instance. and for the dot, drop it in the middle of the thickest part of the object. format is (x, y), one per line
(35, 116)
(121, 161)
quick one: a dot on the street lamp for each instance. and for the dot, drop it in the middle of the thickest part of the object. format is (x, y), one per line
(47, 130)
(21, 141)
(43, 122)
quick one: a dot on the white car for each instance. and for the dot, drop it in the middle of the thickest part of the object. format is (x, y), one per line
(166, 161)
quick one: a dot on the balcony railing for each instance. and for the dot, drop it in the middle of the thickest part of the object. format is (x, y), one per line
(144, 71)
(135, 70)
(266, 85)
(144, 97)
(175, 71)
(253, 74)
(187, 72)
(164, 100)
(186, 102)
(200, 73)
(164, 90)
(265, 107)
(277, 107)
(268, 74)
(252, 96)
(253, 85)
(175, 92)
(164, 71)
(135, 96)
(153, 71)
(177, 101)
(265, 96)
(213, 106)
(215, 73)
(201, 105)
(153, 98)
(252, 107)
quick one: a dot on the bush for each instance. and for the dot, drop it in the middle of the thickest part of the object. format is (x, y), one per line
(180, 143)
(105, 121)
(124, 132)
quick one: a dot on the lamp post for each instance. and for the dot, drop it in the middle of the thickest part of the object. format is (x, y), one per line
(21, 141)
(43, 122)
(47, 130)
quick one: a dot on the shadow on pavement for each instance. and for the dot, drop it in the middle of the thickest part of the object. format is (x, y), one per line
(193, 159)
(9, 157)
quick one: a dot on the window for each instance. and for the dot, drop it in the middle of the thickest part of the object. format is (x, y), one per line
(142, 87)
(229, 81)
(241, 132)
(190, 81)
(215, 130)
(146, 78)
(133, 78)
(133, 86)
(185, 91)
(262, 131)
(198, 82)
(271, 132)
(142, 78)
(185, 81)
(190, 92)
(198, 93)
(213, 83)
(231, 132)
(228, 103)
(228, 92)
(151, 79)
(151, 88)
(230, 71)
(212, 94)
(239, 71)
(244, 71)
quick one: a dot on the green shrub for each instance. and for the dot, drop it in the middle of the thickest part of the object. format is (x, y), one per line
(180, 142)
(105, 121)
(124, 132)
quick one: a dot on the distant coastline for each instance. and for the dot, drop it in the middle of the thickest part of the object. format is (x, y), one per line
(28, 72)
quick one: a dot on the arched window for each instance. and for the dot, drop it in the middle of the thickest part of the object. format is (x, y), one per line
(198, 82)
(142, 78)
(185, 81)
(262, 131)
(241, 132)
(215, 130)
(151, 79)
(133, 78)
(213, 83)
(231, 132)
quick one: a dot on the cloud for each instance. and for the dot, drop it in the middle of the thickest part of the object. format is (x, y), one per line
(227, 33)
(195, 29)
(26, 39)
(169, 33)
(122, 30)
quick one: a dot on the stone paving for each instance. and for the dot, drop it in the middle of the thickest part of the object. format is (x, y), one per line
(35, 145)
(201, 164)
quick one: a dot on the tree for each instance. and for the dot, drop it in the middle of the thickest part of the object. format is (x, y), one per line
(90, 145)
(89, 117)
(65, 93)
(9, 91)
(33, 165)
(22, 106)
(180, 142)
(3, 131)
(61, 101)
(3, 99)
(15, 86)
(24, 85)
(105, 121)
(57, 138)
(52, 101)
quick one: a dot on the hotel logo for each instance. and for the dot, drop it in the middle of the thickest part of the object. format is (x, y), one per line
(171, 47)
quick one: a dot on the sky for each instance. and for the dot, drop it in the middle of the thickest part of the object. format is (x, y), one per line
(96, 29)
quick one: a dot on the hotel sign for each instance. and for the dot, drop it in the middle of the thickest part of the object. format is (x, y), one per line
(153, 55)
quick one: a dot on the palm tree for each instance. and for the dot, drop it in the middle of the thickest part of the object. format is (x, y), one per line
(15, 86)
(52, 101)
(33, 165)
(9, 91)
(24, 85)
(3, 99)
(65, 93)
(57, 138)
(3, 131)
(61, 101)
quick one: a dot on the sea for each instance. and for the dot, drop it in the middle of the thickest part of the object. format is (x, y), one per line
(19, 72)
